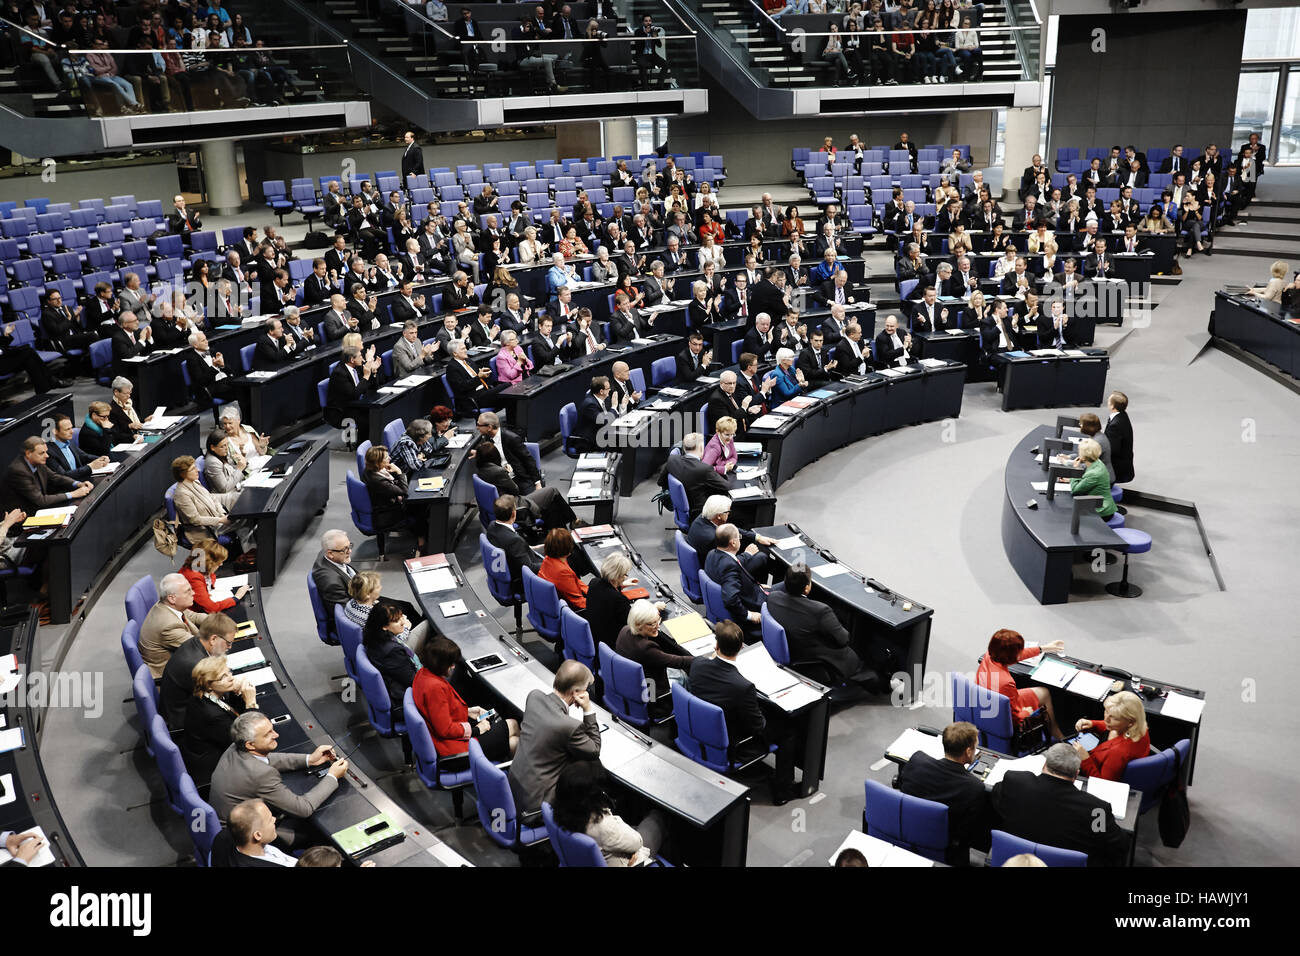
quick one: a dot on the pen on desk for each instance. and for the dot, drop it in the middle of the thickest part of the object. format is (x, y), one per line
(512, 648)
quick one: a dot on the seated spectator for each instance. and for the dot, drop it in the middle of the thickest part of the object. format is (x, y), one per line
(736, 574)
(200, 570)
(512, 363)
(787, 381)
(582, 805)
(65, 458)
(1006, 647)
(390, 508)
(199, 513)
(248, 841)
(720, 451)
(389, 639)
(1125, 727)
(243, 441)
(169, 623)
(217, 698)
(546, 504)
(662, 659)
(451, 723)
(97, 437)
(419, 446)
(557, 569)
(946, 781)
(220, 473)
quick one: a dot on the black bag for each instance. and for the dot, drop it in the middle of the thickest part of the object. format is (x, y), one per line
(318, 239)
(1175, 814)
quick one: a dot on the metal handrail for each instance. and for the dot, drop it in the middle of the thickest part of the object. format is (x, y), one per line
(420, 15)
(619, 38)
(877, 33)
(766, 16)
(224, 51)
(678, 17)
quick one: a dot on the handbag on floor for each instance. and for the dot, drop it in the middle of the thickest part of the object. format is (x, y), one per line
(164, 537)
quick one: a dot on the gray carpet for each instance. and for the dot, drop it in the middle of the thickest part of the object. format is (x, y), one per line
(920, 512)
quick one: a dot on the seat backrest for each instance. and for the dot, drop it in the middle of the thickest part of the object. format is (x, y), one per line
(246, 356)
(568, 418)
(543, 604)
(145, 693)
(359, 499)
(663, 371)
(393, 432)
(200, 819)
(422, 746)
(131, 647)
(496, 804)
(376, 692)
(349, 637)
(681, 504)
(774, 639)
(625, 686)
(364, 447)
(1005, 845)
(988, 710)
(139, 598)
(578, 642)
(701, 730)
(323, 624)
(910, 822)
(500, 585)
(688, 563)
(572, 849)
(170, 763)
(485, 495)
(711, 592)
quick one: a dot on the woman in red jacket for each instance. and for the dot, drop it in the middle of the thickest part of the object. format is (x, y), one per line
(451, 723)
(1005, 648)
(556, 569)
(1126, 737)
(200, 569)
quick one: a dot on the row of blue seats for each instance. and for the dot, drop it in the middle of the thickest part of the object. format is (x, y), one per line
(1067, 157)
(931, 152)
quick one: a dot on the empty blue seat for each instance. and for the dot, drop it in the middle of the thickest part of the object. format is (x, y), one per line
(910, 822)
(688, 563)
(1004, 846)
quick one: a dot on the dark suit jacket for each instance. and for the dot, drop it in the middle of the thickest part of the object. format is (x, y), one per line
(655, 655)
(699, 480)
(812, 631)
(592, 413)
(21, 488)
(886, 353)
(763, 346)
(845, 362)
(702, 536)
(463, 384)
(989, 335)
(396, 667)
(970, 814)
(386, 499)
(176, 223)
(766, 297)
(689, 367)
(624, 327)
(813, 373)
(607, 610)
(167, 335)
(177, 684)
(341, 392)
(1120, 432)
(207, 732)
(519, 458)
(740, 592)
(62, 331)
(268, 355)
(826, 292)
(412, 162)
(1046, 809)
(518, 554)
(331, 585)
(125, 346)
(721, 405)
(721, 684)
(58, 464)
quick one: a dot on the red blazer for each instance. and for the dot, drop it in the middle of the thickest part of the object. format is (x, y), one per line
(202, 600)
(997, 677)
(566, 581)
(444, 712)
(1109, 758)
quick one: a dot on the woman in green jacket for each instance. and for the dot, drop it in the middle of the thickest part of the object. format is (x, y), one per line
(1095, 480)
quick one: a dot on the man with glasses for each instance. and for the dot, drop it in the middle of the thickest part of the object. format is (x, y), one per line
(333, 570)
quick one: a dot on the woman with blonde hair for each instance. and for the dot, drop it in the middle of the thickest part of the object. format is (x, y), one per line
(1276, 283)
(1127, 738)
(217, 699)
(1095, 480)
(720, 453)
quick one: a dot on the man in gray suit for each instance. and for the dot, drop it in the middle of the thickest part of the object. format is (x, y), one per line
(250, 770)
(410, 356)
(333, 570)
(551, 736)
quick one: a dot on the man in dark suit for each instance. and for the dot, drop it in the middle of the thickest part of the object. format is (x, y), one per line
(627, 323)
(1054, 331)
(549, 346)
(336, 257)
(928, 315)
(550, 737)
(182, 221)
(1097, 264)
(412, 157)
(65, 458)
(1120, 433)
(893, 344)
(361, 306)
(817, 367)
(593, 414)
(851, 356)
(61, 326)
(1175, 162)
(272, 349)
(717, 680)
(748, 384)
(208, 376)
(317, 287)
(997, 333)
(734, 573)
(1030, 175)
(736, 299)
(761, 339)
(769, 295)
(215, 638)
(518, 460)
(30, 485)
(623, 393)
(946, 781)
(693, 361)
(723, 402)
(332, 571)
(501, 532)
(699, 479)
(129, 341)
(837, 290)
(352, 378)
(703, 534)
(1046, 808)
(812, 630)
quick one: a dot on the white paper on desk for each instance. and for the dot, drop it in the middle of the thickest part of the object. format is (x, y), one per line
(1112, 791)
(1045, 352)
(459, 441)
(391, 390)
(879, 853)
(1075, 352)
(1054, 673)
(11, 739)
(1033, 763)
(108, 469)
(432, 580)
(701, 646)
(768, 421)
(3, 720)
(592, 459)
(933, 362)
(1090, 684)
(7, 683)
(746, 491)
(911, 741)
(611, 542)
(260, 375)
(259, 677)
(241, 659)
(587, 477)
(708, 379)
(263, 479)
(44, 858)
(159, 412)
(750, 471)
(159, 423)
(453, 608)
(1062, 486)
(829, 570)
(413, 380)
(130, 446)
(577, 492)
(258, 462)
(217, 595)
(749, 448)
(643, 341)
(1181, 707)
(759, 669)
(955, 331)
(63, 510)
(891, 372)
(789, 544)
(8, 663)
(674, 392)
(7, 792)
(1033, 661)
(135, 358)
(792, 698)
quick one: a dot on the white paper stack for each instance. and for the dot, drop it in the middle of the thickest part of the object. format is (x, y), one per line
(1033, 763)
(1181, 707)
(1091, 684)
(1112, 791)
(108, 469)
(44, 858)
(790, 543)
(768, 421)
(130, 446)
(432, 580)
(459, 441)
(1054, 673)
(760, 670)
(241, 659)
(411, 380)
(911, 741)
(829, 570)
(746, 491)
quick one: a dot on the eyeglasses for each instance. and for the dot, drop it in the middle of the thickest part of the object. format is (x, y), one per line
(344, 550)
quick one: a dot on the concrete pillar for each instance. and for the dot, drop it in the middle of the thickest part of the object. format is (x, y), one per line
(1024, 125)
(620, 137)
(577, 140)
(221, 176)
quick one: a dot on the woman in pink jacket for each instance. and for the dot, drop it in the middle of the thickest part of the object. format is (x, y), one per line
(512, 362)
(720, 452)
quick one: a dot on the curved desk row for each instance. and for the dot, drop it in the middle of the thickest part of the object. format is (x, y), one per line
(1038, 541)
(358, 798)
(855, 407)
(25, 799)
(1052, 378)
(708, 813)
(120, 505)
(804, 700)
(283, 511)
(31, 416)
(1261, 328)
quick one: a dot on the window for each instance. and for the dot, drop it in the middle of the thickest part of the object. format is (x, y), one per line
(999, 137)
(1287, 147)
(1256, 96)
(650, 134)
(1272, 34)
